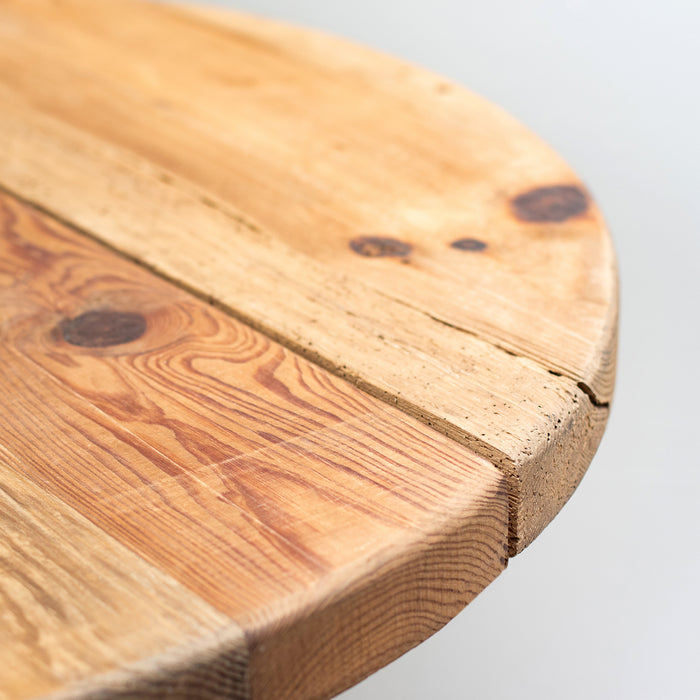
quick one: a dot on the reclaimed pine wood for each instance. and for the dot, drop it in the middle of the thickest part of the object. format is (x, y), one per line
(189, 508)
(299, 212)
(80, 613)
(387, 225)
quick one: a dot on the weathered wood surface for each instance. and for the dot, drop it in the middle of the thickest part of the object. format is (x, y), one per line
(389, 226)
(368, 337)
(80, 613)
(173, 483)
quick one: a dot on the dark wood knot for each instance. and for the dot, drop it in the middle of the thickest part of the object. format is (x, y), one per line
(100, 329)
(472, 244)
(550, 204)
(380, 247)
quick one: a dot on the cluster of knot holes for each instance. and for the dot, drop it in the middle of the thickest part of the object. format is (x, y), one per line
(553, 204)
(385, 247)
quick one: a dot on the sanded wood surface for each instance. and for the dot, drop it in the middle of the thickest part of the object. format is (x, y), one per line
(298, 343)
(80, 613)
(392, 227)
(333, 530)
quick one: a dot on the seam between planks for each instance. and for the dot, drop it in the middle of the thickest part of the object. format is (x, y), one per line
(482, 448)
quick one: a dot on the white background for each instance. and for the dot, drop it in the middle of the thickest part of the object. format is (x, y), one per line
(605, 603)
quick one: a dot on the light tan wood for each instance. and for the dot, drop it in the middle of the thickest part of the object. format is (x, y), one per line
(76, 605)
(250, 162)
(330, 528)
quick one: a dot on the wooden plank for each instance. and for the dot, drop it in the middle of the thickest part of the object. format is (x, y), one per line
(387, 225)
(281, 495)
(75, 604)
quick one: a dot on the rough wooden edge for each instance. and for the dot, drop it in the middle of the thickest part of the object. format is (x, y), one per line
(370, 604)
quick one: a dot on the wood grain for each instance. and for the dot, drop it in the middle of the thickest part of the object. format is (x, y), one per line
(389, 226)
(75, 604)
(332, 529)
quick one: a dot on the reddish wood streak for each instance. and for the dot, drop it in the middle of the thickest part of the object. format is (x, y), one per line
(213, 452)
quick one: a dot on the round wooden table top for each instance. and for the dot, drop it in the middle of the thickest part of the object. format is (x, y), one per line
(299, 344)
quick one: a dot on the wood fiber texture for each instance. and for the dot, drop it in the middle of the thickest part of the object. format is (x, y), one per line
(330, 530)
(384, 223)
(75, 605)
(297, 344)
